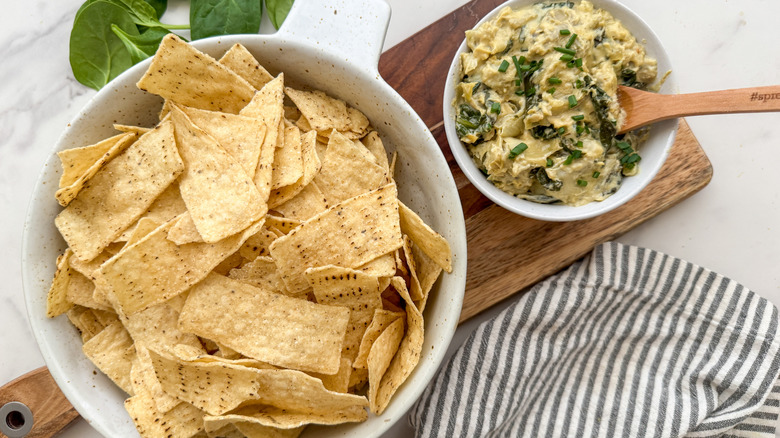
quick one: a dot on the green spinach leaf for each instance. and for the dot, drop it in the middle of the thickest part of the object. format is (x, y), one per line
(223, 17)
(141, 46)
(97, 55)
(142, 12)
(159, 6)
(278, 10)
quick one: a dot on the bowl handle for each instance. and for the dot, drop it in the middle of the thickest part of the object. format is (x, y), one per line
(354, 29)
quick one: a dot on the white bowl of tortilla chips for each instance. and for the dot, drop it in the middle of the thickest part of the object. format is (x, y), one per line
(254, 251)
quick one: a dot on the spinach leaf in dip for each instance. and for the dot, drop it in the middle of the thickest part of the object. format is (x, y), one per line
(546, 76)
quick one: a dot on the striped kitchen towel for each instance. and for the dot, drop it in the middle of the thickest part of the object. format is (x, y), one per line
(628, 342)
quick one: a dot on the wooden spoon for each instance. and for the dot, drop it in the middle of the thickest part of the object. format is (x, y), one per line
(643, 107)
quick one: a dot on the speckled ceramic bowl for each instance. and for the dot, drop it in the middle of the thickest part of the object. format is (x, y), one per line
(334, 47)
(654, 151)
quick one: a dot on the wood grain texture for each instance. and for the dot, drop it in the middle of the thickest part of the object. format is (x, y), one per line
(506, 252)
(37, 389)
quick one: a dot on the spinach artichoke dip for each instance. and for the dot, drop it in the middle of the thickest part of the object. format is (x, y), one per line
(537, 104)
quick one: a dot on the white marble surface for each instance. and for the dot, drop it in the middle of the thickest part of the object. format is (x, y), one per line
(731, 226)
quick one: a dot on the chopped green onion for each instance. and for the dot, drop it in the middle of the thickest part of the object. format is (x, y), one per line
(565, 51)
(623, 145)
(551, 90)
(578, 84)
(566, 58)
(576, 154)
(549, 162)
(517, 150)
(495, 107)
(596, 174)
(521, 60)
(519, 92)
(554, 81)
(565, 31)
(518, 82)
(504, 65)
(578, 62)
(517, 64)
(530, 91)
(578, 144)
(580, 128)
(578, 117)
(582, 183)
(571, 40)
(587, 129)
(572, 101)
(561, 130)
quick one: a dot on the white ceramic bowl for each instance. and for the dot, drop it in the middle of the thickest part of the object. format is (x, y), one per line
(333, 46)
(654, 151)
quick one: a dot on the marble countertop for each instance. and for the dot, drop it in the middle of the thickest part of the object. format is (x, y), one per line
(731, 226)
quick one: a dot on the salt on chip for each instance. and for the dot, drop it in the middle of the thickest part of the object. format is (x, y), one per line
(182, 74)
(230, 386)
(348, 234)
(430, 242)
(241, 137)
(407, 356)
(379, 357)
(307, 203)
(184, 420)
(288, 160)
(113, 352)
(311, 167)
(355, 290)
(120, 192)
(245, 65)
(156, 269)
(266, 326)
(57, 299)
(220, 196)
(346, 172)
(166, 207)
(381, 320)
(267, 105)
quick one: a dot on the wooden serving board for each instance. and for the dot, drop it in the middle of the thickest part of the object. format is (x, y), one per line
(507, 252)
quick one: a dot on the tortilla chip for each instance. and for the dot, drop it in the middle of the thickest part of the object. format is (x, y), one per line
(379, 358)
(231, 385)
(283, 224)
(427, 273)
(90, 322)
(348, 234)
(157, 328)
(358, 124)
(323, 112)
(193, 354)
(288, 419)
(226, 431)
(241, 137)
(374, 145)
(138, 130)
(261, 272)
(344, 287)
(220, 196)
(393, 160)
(408, 355)
(288, 161)
(306, 204)
(184, 420)
(257, 244)
(113, 352)
(338, 382)
(380, 321)
(430, 242)
(156, 269)
(57, 300)
(80, 291)
(245, 65)
(182, 74)
(267, 105)
(251, 430)
(311, 167)
(266, 326)
(120, 192)
(166, 207)
(144, 380)
(346, 172)
(382, 266)
(412, 282)
(231, 262)
(184, 231)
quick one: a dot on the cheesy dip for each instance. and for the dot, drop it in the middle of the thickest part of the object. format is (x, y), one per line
(537, 104)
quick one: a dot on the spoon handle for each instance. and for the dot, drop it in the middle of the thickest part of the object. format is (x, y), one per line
(644, 108)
